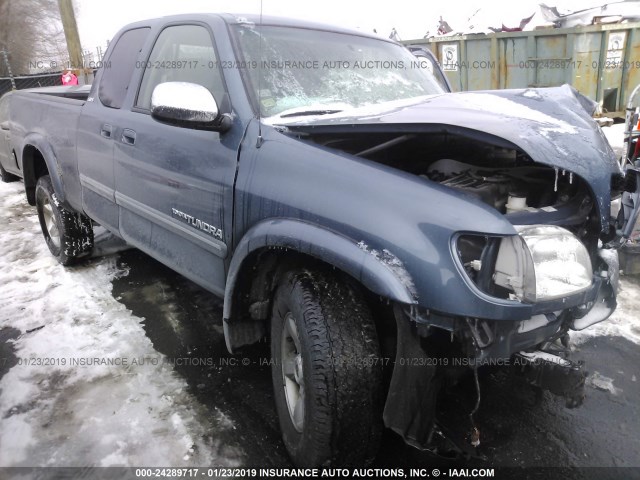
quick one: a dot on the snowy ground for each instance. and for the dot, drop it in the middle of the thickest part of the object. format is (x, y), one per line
(62, 404)
(615, 135)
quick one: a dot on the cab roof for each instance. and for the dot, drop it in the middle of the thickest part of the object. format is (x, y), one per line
(254, 19)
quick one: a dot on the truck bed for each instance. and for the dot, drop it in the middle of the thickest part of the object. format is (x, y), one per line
(48, 118)
(76, 92)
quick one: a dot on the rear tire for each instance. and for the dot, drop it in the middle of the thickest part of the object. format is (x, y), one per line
(326, 371)
(69, 235)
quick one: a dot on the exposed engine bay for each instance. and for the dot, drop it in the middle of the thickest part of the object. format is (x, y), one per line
(510, 190)
(502, 176)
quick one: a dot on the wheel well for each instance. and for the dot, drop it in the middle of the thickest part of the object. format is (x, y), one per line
(34, 167)
(259, 277)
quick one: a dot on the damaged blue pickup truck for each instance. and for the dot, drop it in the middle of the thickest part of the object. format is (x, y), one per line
(345, 207)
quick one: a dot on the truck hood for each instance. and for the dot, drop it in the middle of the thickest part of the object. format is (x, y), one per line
(552, 125)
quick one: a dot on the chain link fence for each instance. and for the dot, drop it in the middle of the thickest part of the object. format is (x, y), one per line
(52, 76)
(30, 81)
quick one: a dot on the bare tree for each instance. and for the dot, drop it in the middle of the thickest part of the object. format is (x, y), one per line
(31, 32)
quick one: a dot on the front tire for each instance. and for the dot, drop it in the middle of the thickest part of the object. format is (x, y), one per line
(69, 235)
(326, 372)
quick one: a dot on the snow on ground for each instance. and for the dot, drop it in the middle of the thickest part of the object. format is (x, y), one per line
(60, 405)
(615, 135)
(625, 321)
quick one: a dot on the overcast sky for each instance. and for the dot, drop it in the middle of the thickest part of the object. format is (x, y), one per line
(99, 21)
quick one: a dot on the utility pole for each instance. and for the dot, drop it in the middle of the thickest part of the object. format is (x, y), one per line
(8, 65)
(5, 54)
(70, 26)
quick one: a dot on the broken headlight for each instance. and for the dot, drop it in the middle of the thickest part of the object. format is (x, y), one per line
(543, 262)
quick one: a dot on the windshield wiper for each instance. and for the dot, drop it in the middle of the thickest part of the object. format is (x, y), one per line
(310, 112)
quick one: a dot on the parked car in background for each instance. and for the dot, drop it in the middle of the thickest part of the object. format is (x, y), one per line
(431, 63)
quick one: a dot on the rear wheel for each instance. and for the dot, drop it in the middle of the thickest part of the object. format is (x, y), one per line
(69, 235)
(326, 372)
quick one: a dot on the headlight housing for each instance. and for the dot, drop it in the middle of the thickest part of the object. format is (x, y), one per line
(543, 262)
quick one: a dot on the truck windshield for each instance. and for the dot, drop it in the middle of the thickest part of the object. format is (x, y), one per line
(297, 72)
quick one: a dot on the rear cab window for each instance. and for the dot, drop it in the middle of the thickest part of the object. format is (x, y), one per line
(119, 68)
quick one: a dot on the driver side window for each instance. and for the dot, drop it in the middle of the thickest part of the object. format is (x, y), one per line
(182, 53)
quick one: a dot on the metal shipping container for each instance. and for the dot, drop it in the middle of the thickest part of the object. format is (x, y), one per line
(601, 61)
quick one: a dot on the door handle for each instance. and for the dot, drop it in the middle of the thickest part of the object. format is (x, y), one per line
(128, 136)
(4, 126)
(106, 130)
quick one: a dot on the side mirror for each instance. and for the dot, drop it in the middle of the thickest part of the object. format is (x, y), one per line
(187, 105)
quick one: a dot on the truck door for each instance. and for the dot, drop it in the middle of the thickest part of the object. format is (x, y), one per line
(96, 128)
(174, 186)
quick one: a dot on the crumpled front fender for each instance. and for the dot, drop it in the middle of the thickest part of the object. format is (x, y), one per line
(387, 279)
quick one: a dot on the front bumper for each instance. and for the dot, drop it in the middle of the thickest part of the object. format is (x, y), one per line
(419, 372)
(548, 319)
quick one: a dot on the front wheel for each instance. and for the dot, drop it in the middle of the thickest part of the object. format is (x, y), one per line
(326, 372)
(69, 235)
